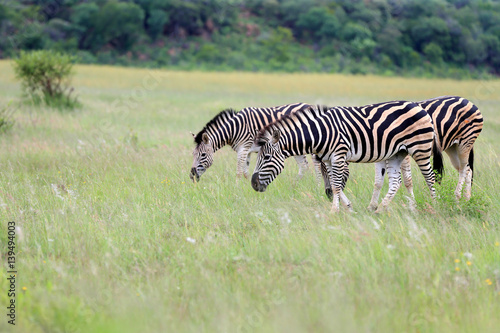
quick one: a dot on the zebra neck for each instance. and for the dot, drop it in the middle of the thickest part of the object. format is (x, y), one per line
(294, 146)
(293, 150)
(224, 135)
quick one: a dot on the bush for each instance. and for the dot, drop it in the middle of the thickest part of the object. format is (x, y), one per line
(45, 77)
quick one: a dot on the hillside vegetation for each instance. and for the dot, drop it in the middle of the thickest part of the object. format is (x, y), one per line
(454, 38)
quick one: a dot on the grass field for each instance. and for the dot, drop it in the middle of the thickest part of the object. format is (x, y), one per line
(114, 237)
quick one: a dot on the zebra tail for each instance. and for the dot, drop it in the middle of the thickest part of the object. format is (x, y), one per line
(471, 164)
(437, 162)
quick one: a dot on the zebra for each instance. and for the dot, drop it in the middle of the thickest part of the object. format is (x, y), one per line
(457, 124)
(239, 129)
(378, 132)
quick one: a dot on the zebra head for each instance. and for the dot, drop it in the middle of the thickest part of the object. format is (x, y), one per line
(203, 157)
(270, 160)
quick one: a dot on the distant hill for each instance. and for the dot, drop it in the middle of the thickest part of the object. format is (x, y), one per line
(454, 38)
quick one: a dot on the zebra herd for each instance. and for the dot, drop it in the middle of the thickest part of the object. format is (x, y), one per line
(386, 134)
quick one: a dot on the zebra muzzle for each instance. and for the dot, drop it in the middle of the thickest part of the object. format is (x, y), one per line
(194, 175)
(256, 183)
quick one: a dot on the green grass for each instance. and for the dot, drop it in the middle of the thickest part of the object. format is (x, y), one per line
(105, 207)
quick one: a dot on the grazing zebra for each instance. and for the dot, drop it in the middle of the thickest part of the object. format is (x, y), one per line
(373, 133)
(457, 124)
(239, 129)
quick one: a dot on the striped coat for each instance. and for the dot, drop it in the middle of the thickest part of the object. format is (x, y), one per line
(372, 133)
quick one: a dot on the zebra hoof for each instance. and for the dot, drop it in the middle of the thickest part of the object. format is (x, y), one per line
(329, 193)
(372, 208)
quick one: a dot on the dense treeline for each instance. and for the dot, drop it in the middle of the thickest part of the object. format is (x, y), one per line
(447, 38)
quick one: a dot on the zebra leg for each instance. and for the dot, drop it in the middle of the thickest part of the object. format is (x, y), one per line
(454, 156)
(336, 167)
(468, 183)
(470, 175)
(464, 173)
(408, 181)
(326, 181)
(380, 168)
(241, 167)
(394, 173)
(326, 178)
(423, 161)
(303, 166)
(318, 165)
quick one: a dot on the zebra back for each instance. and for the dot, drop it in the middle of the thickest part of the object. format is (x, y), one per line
(365, 134)
(456, 120)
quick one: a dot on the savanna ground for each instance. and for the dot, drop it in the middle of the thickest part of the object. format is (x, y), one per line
(114, 237)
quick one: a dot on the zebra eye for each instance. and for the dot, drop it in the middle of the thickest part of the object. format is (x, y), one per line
(267, 157)
(203, 154)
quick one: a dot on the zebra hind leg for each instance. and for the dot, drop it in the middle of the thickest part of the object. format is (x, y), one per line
(464, 176)
(336, 168)
(470, 175)
(380, 169)
(394, 173)
(303, 165)
(408, 181)
(424, 163)
(459, 161)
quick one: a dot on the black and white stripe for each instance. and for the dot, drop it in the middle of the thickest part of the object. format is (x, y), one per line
(238, 129)
(368, 134)
(457, 124)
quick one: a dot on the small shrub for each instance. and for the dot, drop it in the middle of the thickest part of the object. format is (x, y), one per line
(45, 77)
(6, 121)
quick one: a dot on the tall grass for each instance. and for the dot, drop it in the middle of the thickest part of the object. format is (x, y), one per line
(114, 237)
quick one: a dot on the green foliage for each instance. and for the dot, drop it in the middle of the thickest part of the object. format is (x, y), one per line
(433, 52)
(277, 45)
(429, 36)
(156, 22)
(45, 77)
(117, 23)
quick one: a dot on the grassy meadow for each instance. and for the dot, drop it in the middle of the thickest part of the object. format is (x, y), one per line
(114, 237)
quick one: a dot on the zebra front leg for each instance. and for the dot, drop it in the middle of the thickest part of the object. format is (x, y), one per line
(394, 173)
(241, 167)
(336, 167)
(247, 165)
(303, 165)
(326, 179)
(380, 169)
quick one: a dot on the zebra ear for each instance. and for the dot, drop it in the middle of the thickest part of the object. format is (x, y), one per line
(276, 136)
(205, 138)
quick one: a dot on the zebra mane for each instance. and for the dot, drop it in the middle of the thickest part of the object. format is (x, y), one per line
(214, 123)
(264, 134)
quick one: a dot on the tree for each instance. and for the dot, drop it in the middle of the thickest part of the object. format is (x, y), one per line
(118, 23)
(433, 52)
(318, 23)
(156, 22)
